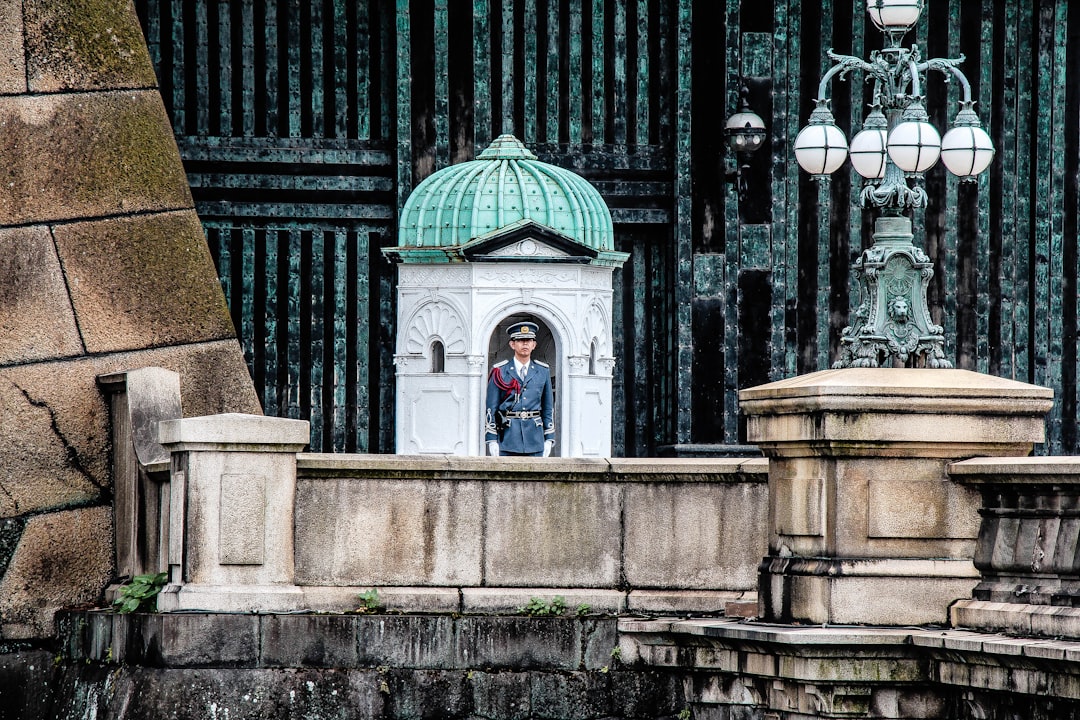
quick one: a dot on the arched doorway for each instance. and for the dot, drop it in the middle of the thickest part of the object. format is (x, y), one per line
(547, 351)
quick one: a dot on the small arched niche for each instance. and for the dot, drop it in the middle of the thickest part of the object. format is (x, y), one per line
(438, 356)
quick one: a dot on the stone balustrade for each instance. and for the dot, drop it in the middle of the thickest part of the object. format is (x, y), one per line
(255, 526)
(1027, 549)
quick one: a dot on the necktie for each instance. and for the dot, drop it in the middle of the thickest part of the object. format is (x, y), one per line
(524, 371)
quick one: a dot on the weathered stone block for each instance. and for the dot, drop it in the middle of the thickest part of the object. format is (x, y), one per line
(96, 44)
(63, 559)
(143, 281)
(570, 696)
(555, 534)
(55, 434)
(408, 641)
(388, 532)
(722, 521)
(36, 319)
(309, 641)
(12, 52)
(209, 640)
(519, 643)
(65, 157)
(503, 695)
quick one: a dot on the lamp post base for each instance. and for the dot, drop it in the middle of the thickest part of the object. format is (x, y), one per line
(892, 324)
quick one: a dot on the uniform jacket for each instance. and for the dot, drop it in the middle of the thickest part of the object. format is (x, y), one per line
(506, 391)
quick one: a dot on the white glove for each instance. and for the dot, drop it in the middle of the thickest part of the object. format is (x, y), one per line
(493, 448)
(548, 444)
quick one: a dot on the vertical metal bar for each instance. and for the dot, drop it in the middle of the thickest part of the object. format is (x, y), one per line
(179, 68)
(552, 67)
(530, 41)
(1007, 157)
(598, 105)
(481, 73)
(791, 187)
(270, 392)
(341, 77)
(404, 105)
(507, 79)
(1025, 277)
(216, 236)
(247, 296)
(202, 71)
(684, 239)
(824, 236)
(316, 82)
(273, 82)
(618, 50)
(442, 85)
(951, 239)
(339, 333)
(779, 128)
(316, 372)
(226, 55)
(642, 342)
(982, 240)
(293, 81)
(574, 89)
(292, 395)
(247, 54)
(1055, 332)
(644, 77)
(730, 89)
(363, 72)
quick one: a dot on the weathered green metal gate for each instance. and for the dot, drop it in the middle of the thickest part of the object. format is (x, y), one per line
(304, 124)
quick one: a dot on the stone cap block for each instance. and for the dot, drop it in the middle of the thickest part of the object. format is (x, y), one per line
(898, 405)
(235, 432)
(1059, 470)
(910, 390)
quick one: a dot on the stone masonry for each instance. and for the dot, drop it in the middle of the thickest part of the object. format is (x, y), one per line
(103, 268)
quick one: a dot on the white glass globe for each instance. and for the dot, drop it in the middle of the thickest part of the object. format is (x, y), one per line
(820, 149)
(894, 14)
(967, 150)
(868, 153)
(914, 146)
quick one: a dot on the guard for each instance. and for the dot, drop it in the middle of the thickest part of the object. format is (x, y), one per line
(519, 400)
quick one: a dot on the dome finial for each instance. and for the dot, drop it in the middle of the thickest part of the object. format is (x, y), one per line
(506, 147)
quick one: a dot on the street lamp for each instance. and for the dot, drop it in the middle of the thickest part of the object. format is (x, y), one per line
(896, 143)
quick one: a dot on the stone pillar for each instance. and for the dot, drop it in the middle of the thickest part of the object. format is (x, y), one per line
(864, 524)
(231, 513)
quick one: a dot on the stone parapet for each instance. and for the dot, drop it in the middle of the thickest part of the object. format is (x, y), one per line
(1027, 546)
(865, 525)
(679, 535)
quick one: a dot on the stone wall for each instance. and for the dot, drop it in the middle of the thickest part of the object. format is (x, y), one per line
(103, 267)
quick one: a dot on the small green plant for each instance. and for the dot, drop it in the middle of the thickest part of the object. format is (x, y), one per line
(369, 602)
(616, 652)
(684, 714)
(140, 594)
(538, 607)
(583, 609)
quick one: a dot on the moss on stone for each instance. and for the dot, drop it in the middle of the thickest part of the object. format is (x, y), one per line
(84, 44)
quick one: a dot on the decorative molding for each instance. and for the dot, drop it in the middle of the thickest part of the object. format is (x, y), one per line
(435, 321)
(433, 276)
(578, 363)
(528, 247)
(528, 277)
(596, 325)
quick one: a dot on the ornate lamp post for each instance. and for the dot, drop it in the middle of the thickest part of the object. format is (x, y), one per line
(896, 144)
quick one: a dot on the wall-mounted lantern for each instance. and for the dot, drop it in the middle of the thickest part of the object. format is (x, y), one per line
(745, 132)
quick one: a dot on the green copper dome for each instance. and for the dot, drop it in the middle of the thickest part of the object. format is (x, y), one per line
(505, 185)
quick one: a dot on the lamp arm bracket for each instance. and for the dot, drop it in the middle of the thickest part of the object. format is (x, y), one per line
(844, 64)
(949, 65)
